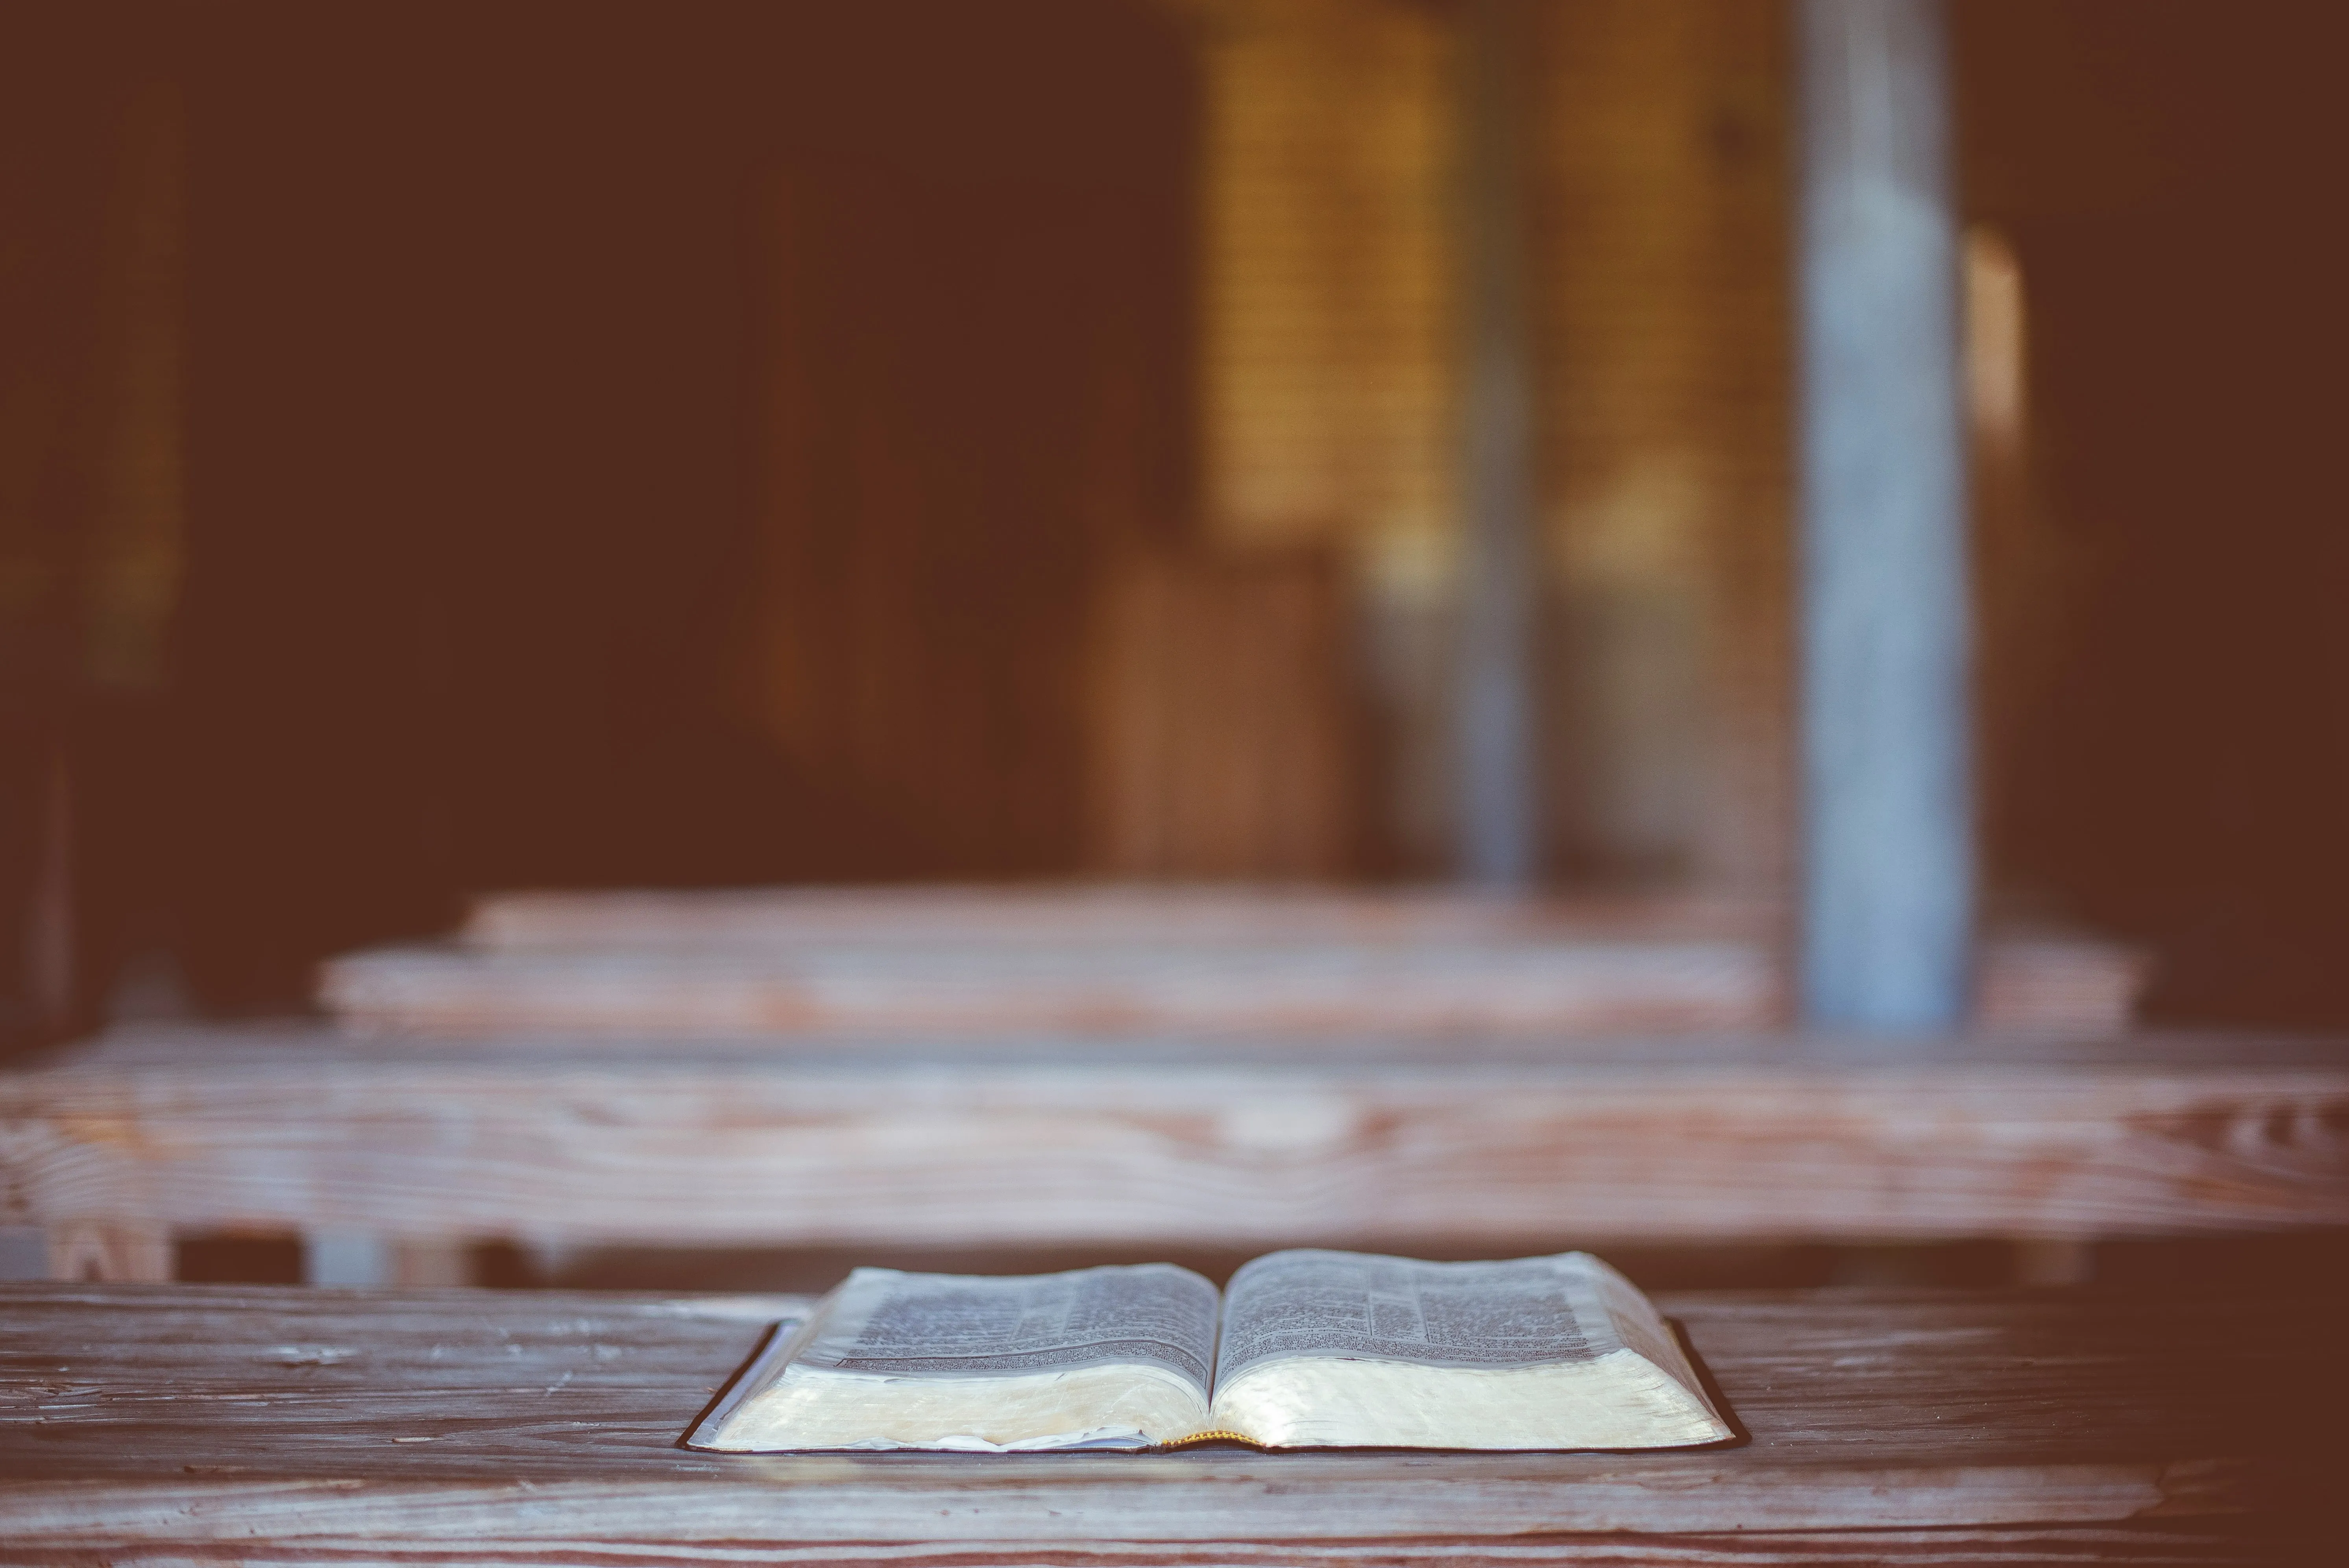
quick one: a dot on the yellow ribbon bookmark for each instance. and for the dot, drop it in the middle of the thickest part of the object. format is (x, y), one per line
(1215, 1437)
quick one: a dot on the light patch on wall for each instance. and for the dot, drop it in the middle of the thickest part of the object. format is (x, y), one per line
(1996, 336)
(2027, 573)
(1644, 526)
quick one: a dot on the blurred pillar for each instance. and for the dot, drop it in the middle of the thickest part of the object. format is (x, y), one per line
(1888, 843)
(1496, 790)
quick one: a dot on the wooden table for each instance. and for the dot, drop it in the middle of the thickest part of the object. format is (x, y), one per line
(1500, 1145)
(1009, 959)
(176, 1425)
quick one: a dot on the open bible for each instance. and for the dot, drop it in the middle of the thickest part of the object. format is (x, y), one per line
(1306, 1349)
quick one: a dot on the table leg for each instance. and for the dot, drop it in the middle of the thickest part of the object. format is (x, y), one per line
(365, 1258)
(24, 1253)
(2054, 1262)
(114, 1252)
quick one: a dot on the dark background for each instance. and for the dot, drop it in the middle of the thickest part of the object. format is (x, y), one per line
(483, 309)
(2169, 173)
(492, 571)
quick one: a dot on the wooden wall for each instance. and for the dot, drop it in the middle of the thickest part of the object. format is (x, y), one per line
(2170, 750)
(980, 402)
(92, 499)
(754, 448)
(1329, 339)
(1662, 254)
(1324, 438)
(1225, 723)
(1324, 307)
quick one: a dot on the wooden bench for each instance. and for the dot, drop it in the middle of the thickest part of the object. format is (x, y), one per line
(175, 1425)
(920, 960)
(1498, 1145)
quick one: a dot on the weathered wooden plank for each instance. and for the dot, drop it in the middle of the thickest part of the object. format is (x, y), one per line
(980, 960)
(2203, 1548)
(528, 1428)
(1083, 913)
(933, 988)
(1504, 1147)
(821, 1500)
(1589, 985)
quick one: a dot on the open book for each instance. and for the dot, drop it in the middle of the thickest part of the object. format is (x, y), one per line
(1307, 1349)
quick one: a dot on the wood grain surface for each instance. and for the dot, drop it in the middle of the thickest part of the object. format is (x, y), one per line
(1079, 912)
(187, 1424)
(1506, 1145)
(930, 988)
(920, 960)
(1074, 912)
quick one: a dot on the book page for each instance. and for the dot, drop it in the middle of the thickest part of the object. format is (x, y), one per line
(1325, 1304)
(888, 1323)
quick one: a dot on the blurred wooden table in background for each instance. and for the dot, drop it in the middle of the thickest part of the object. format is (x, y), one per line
(919, 960)
(1498, 1144)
